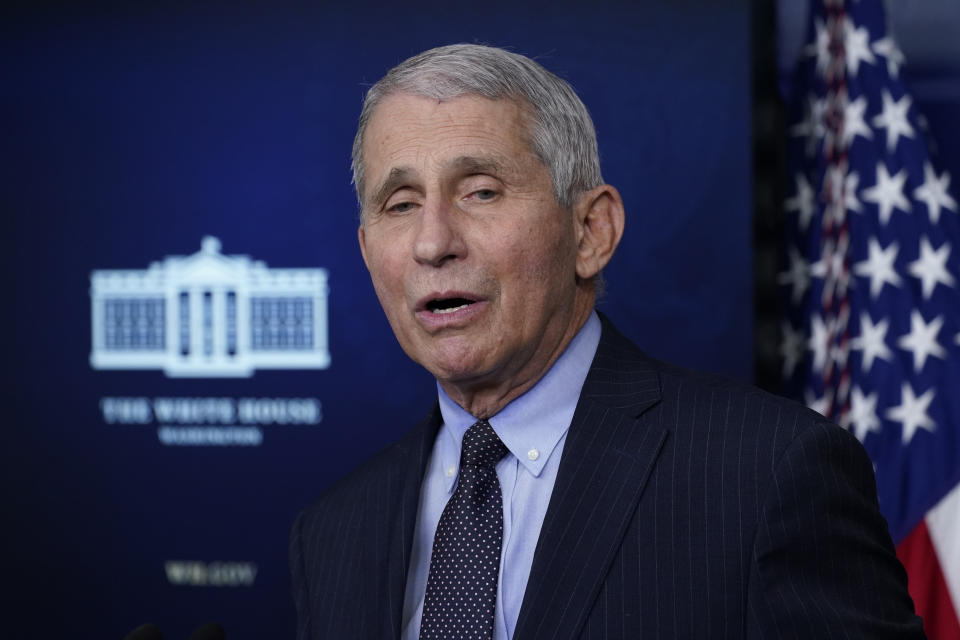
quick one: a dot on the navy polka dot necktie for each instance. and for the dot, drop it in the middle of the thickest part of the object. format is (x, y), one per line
(462, 583)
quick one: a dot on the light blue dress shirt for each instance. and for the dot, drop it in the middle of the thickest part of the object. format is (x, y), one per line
(534, 428)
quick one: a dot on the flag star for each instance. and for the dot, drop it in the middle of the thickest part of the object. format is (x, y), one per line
(887, 193)
(879, 266)
(911, 413)
(796, 275)
(791, 349)
(835, 183)
(856, 43)
(802, 202)
(818, 343)
(820, 47)
(812, 126)
(839, 355)
(853, 123)
(934, 192)
(863, 414)
(872, 341)
(822, 404)
(931, 267)
(821, 267)
(850, 199)
(893, 118)
(922, 340)
(887, 48)
(831, 261)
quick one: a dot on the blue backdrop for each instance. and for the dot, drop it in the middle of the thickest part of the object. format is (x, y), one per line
(132, 133)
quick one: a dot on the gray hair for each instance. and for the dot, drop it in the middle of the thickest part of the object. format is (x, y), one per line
(559, 131)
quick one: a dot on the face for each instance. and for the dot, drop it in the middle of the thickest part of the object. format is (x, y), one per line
(471, 256)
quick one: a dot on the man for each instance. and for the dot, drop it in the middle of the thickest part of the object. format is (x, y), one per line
(599, 493)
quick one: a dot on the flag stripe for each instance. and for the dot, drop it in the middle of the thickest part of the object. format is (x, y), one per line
(943, 523)
(927, 585)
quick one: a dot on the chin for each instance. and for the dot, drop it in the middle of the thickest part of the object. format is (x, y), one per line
(453, 372)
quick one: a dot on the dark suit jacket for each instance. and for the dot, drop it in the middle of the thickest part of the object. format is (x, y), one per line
(686, 506)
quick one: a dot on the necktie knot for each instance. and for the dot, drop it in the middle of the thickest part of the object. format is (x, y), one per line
(482, 446)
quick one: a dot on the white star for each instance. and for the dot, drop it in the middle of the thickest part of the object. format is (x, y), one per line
(879, 266)
(863, 414)
(934, 192)
(820, 47)
(820, 405)
(887, 193)
(893, 117)
(853, 123)
(931, 267)
(802, 202)
(812, 126)
(872, 340)
(887, 48)
(839, 187)
(912, 412)
(796, 275)
(831, 265)
(850, 199)
(922, 339)
(821, 267)
(856, 43)
(818, 343)
(791, 349)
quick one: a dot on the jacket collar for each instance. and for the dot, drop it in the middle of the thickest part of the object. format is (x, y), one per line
(610, 451)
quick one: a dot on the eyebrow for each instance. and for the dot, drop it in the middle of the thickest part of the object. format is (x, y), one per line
(396, 177)
(464, 165)
(470, 165)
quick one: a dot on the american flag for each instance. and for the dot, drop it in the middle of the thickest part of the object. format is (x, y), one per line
(871, 281)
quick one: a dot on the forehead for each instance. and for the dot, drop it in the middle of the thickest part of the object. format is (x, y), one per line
(411, 130)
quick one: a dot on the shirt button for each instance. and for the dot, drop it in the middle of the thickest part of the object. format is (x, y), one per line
(533, 454)
(450, 471)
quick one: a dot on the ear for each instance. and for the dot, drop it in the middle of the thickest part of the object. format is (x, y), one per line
(361, 237)
(599, 219)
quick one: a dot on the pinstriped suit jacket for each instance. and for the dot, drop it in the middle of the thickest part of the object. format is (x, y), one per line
(686, 506)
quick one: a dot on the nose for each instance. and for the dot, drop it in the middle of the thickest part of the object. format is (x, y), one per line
(438, 238)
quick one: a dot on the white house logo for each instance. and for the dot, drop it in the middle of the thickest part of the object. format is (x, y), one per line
(209, 315)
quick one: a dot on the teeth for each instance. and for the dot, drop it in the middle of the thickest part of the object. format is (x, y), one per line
(452, 309)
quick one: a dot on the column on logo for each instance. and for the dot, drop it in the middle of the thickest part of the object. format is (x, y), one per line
(196, 324)
(98, 323)
(171, 323)
(219, 325)
(242, 309)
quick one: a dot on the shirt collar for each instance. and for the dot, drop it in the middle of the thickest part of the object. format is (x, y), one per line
(533, 424)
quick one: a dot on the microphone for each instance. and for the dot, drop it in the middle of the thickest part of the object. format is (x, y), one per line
(209, 631)
(145, 632)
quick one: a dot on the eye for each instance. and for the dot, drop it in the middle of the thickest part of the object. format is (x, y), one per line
(401, 207)
(485, 194)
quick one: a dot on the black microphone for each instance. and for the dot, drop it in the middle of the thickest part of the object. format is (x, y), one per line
(145, 632)
(209, 631)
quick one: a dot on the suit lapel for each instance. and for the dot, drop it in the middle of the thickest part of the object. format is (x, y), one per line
(400, 516)
(608, 455)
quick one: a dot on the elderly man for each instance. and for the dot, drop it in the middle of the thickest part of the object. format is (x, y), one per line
(565, 485)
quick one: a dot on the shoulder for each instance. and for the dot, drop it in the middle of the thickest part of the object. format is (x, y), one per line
(373, 472)
(712, 414)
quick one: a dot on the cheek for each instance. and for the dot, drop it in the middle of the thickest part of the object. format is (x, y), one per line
(386, 283)
(546, 259)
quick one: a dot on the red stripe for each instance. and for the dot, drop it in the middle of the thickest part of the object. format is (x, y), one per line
(927, 586)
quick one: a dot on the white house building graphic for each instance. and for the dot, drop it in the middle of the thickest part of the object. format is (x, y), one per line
(209, 315)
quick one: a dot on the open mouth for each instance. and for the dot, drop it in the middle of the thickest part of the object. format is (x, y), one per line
(448, 305)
